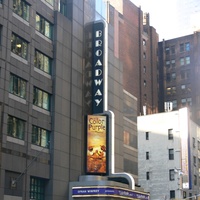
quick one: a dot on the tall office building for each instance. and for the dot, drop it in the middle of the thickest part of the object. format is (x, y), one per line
(42, 101)
(179, 73)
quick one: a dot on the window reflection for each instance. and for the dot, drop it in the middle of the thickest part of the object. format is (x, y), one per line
(19, 46)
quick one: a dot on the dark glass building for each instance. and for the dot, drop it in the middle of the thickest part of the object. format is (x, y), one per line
(42, 126)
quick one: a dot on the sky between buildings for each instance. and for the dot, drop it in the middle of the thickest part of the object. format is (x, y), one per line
(172, 18)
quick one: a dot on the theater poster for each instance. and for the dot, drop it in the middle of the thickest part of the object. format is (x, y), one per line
(96, 159)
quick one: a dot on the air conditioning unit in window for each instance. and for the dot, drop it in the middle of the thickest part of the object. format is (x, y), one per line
(168, 106)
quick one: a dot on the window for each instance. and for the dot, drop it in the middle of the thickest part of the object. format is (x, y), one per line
(41, 99)
(181, 47)
(126, 137)
(144, 69)
(40, 137)
(174, 102)
(187, 46)
(147, 155)
(167, 50)
(37, 188)
(193, 142)
(195, 161)
(168, 91)
(172, 194)
(42, 62)
(199, 146)
(144, 42)
(187, 60)
(21, 8)
(195, 180)
(171, 154)
(167, 63)
(183, 88)
(168, 77)
(173, 90)
(181, 61)
(183, 102)
(185, 74)
(63, 8)
(50, 2)
(19, 46)
(189, 101)
(147, 135)
(145, 97)
(15, 127)
(170, 134)
(173, 76)
(144, 55)
(17, 86)
(13, 187)
(145, 83)
(147, 176)
(43, 26)
(171, 175)
(172, 49)
(173, 62)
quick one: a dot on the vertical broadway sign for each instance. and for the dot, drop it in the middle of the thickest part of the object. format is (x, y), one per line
(98, 67)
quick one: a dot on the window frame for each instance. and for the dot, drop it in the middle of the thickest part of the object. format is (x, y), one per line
(20, 7)
(172, 194)
(170, 134)
(171, 175)
(147, 135)
(20, 89)
(43, 26)
(19, 46)
(37, 188)
(147, 155)
(39, 136)
(147, 176)
(46, 63)
(41, 98)
(15, 127)
(171, 154)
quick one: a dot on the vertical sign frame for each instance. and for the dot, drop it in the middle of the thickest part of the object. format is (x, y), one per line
(97, 145)
(98, 67)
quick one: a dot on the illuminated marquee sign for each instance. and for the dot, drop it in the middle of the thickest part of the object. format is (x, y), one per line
(94, 68)
(98, 68)
(96, 161)
(108, 191)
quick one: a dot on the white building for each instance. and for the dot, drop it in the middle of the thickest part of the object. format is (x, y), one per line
(168, 161)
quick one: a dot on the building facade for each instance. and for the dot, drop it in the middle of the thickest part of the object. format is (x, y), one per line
(168, 155)
(136, 44)
(42, 126)
(179, 66)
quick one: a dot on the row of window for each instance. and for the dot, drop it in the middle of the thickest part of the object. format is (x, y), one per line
(22, 8)
(16, 129)
(184, 89)
(14, 186)
(18, 87)
(170, 135)
(20, 47)
(185, 74)
(170, 153)
(182, 61)
(183, 47)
